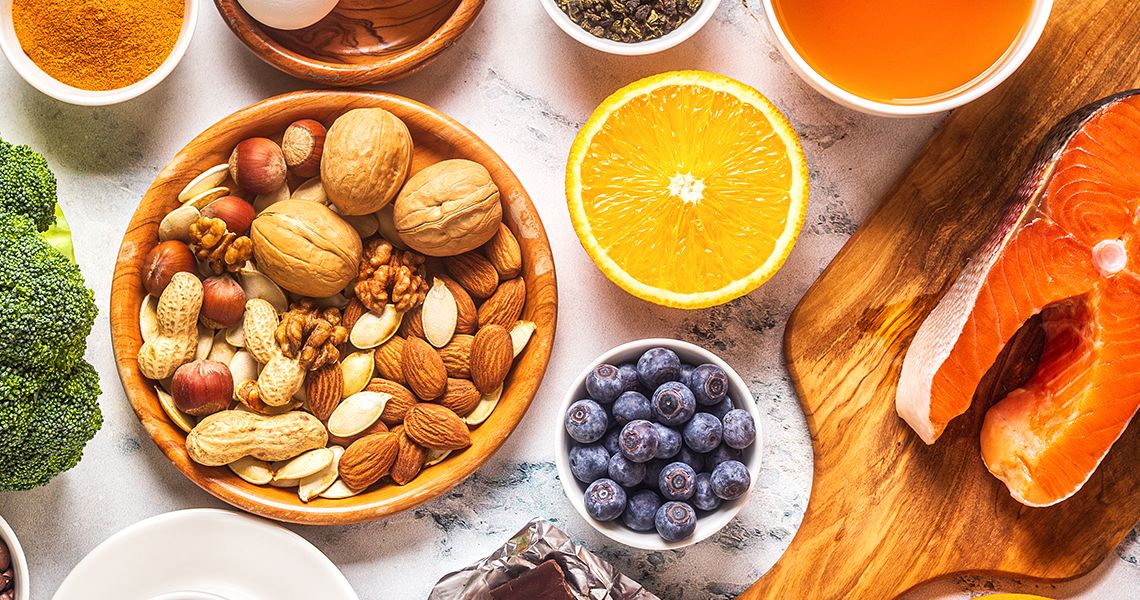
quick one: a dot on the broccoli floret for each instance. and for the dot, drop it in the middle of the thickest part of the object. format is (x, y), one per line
(53, 426)
(46, 311)
(27, 185)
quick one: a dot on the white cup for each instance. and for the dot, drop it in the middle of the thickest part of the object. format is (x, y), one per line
(188, 595)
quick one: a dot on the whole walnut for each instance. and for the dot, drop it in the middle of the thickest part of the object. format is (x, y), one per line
(448, 208)
(305, 248)
(367, 156)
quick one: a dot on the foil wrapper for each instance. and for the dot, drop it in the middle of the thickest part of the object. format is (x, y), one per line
(590, 577)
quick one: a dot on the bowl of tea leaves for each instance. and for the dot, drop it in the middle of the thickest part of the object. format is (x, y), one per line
(630, 27)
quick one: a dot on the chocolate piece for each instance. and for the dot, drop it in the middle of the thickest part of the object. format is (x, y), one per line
(8, 594)
(7, 579)
(5, 557)
(544, 582)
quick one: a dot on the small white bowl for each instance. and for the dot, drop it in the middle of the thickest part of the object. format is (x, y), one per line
(982, 84)
(678, 35)
(33, 74)
(19, 561)
(707, 524)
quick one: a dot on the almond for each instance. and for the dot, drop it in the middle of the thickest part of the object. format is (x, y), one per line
(388, 358)
(409, 461)
(436, 427)
(402, 399)
(439, 314)
(323, 388)
(423, 369)
(457, 356)
(503, 253)
(492, 353)
(461, 397)
(413, 324)
(467, 318)
(352, 313)
(474, 272)
(368, 459)
(505, 306)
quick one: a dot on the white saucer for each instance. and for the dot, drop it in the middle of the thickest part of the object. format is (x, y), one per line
(205, 553)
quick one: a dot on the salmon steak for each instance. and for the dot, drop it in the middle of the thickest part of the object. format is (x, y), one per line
(1067, 249)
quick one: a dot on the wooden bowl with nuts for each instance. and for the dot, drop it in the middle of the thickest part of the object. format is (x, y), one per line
(360, 42)
(333, 306)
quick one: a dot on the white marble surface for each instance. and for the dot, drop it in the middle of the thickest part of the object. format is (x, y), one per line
(523, 86)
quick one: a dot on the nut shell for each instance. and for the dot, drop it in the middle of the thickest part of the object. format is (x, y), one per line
(367, 156)
(305, 248)
(448, 208)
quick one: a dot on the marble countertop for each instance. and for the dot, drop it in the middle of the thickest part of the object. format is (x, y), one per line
(525, 88)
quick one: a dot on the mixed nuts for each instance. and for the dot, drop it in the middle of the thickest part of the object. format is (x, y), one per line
(318, 320)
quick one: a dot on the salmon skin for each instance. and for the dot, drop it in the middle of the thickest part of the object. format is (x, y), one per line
(1067, 248)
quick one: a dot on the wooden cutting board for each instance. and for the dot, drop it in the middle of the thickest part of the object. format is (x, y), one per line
(886, 511)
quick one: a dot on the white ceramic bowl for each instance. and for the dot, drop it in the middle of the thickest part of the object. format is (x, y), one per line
(19, 561)
(707, 524)
(45, 83)
(678, 35)
(985, 82)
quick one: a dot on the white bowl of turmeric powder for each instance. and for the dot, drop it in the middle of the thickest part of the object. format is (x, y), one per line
(95, 52)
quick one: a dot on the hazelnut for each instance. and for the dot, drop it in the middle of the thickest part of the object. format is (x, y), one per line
(223, 302)
(163, 261)
(258, 165)
(303, 145)
(237, 213)
(202, 387)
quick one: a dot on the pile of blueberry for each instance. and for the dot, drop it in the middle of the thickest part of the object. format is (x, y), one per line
(658, 441)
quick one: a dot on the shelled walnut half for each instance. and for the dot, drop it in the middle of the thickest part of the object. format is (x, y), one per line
(218, 248)
(391, 276)
(311, 334)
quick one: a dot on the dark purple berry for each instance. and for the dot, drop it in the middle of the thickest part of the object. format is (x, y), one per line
(657, 366)
(653, 472)
(739, 429)
(586, 421)
(589, 463)
(638, 441)
(709, 384)
(611, 442)
(673, 404)
(694, 460)
(603, 384)
(721, 454)
(687, 375)
(719, 410)
(625, 471)
(703, 496)
(631, 406)
(703, 432)
(730, 480)
(675, 521)
(641, 510)
(627, 373)
(605, 500)
(668, 441)
(677, 481)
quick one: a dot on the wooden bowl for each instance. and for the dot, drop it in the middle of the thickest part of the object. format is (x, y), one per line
(436, 138)
(361, 42)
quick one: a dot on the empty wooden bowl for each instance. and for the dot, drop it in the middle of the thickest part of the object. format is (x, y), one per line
(361, 42)
(436, 138)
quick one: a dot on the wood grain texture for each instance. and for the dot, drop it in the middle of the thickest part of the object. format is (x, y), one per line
(361, 42)
(886, 511)
(436, 138)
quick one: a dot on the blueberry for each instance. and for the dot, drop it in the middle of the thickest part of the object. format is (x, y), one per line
(627, 373)
(719, 410)
(657, 366)
(589, 463)
(653, 472)
(673, 403)
(641, 510)
(677, 481)
(703, 433)
(638, 441)
(610, 442)
(694, 460)
(603, 384)
(625, 471)
(709, 384)
(605, 500)
(586, 421)
(631, 406)
(675, 521)
(721, 454)
(687, 375)
(703, 496)
(668, 441)
(739, 429)
(730, 480)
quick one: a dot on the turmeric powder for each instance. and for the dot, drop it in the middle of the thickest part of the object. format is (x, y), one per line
(98, 44)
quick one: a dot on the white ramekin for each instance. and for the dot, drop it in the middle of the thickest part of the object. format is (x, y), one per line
(998, 73)
(678, 35)
(19, 561)
(33, 74)
(708, 524)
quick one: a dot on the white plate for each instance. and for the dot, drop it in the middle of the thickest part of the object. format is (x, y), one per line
(216, 553)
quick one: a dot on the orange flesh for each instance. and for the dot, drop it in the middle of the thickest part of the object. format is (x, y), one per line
(1046, 438)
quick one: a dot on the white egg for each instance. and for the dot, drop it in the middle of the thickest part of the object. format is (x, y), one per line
(288, 14)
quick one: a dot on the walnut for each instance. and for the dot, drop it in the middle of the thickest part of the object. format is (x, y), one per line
(219, 248)
(311, 334)
(391, 276)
